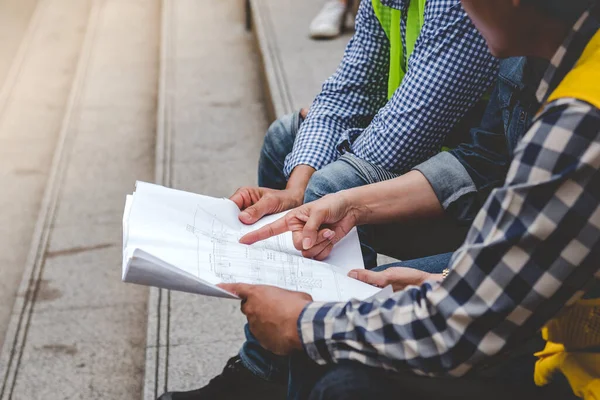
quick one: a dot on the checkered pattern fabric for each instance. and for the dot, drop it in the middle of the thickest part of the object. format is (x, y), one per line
(448, 72)
(534, 247)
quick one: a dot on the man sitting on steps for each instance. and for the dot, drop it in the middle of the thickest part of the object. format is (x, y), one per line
(530, 258)
(412, 71)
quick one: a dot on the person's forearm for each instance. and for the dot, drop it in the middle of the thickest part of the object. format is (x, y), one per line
(299, 179)
(407, 197)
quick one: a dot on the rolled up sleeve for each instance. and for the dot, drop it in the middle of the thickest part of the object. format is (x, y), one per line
(450, 181)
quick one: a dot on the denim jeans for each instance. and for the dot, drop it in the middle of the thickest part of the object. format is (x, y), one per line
(510, 378)
(406, 241)
(275, 368)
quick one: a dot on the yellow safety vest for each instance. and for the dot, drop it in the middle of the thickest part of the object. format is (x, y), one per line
(389, 18)
(573, 337)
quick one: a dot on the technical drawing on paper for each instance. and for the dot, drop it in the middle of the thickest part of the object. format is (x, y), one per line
(262, 263)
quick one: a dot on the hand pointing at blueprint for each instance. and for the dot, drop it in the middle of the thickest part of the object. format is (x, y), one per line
(184, 241)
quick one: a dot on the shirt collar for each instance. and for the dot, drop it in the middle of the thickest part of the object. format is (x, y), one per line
(567, 55)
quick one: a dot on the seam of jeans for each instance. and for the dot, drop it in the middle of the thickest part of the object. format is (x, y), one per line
(365, 173)
(268, 155)
(375, 173)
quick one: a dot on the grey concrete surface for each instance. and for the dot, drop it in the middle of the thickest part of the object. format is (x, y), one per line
(15, 17)
(295, 65)
(213, 121)
(32, 104)
(76, 331)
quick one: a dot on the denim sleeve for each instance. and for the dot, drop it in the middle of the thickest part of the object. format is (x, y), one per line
(452, 185)
(463, 177)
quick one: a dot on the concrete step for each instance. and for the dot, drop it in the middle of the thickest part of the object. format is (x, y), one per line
(32, 102)
(76, 332)
(211, 120)
(294, 65)
(15, 17)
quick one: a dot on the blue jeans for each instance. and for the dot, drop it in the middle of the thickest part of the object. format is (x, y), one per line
(402, 241)
(275, 368)
(510, 378)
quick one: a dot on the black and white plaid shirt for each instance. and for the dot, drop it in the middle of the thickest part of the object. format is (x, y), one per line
(534, 247)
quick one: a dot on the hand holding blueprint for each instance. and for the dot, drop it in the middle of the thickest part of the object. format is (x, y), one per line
(187, 242)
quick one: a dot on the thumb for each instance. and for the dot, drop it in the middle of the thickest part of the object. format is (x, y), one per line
(311, 229)
(370, 277)
(266, 205)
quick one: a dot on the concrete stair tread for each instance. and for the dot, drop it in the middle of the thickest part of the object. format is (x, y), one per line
(75, 330)
(295, 66)
(211, 120)
(33, 97)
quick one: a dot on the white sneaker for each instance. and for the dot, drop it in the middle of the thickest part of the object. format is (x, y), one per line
(329, 22)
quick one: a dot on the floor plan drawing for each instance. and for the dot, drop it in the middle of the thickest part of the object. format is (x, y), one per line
(265, 263)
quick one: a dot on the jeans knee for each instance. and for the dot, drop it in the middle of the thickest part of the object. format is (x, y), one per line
(278, 143)
(279, 139)
(319, 185)
(334, 177)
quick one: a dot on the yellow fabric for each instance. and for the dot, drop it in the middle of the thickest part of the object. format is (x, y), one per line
(583, 81)
(389, 18)
(572, 336)
(581, 369)
(577, 327)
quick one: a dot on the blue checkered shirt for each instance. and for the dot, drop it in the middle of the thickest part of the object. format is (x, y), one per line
(533, 248)
(448, 72)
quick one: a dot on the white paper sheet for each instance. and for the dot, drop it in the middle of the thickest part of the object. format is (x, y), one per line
(188, 242)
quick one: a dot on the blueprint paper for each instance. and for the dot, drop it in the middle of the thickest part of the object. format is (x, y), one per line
(189, 242)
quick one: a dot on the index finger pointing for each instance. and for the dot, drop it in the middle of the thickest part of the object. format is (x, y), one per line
(267, 231)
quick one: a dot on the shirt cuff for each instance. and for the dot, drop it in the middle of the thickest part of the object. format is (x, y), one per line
(314, 331)
(448, 178)
(292, 161)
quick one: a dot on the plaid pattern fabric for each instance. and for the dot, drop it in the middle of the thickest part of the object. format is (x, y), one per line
(534, 247)
(449, 70)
